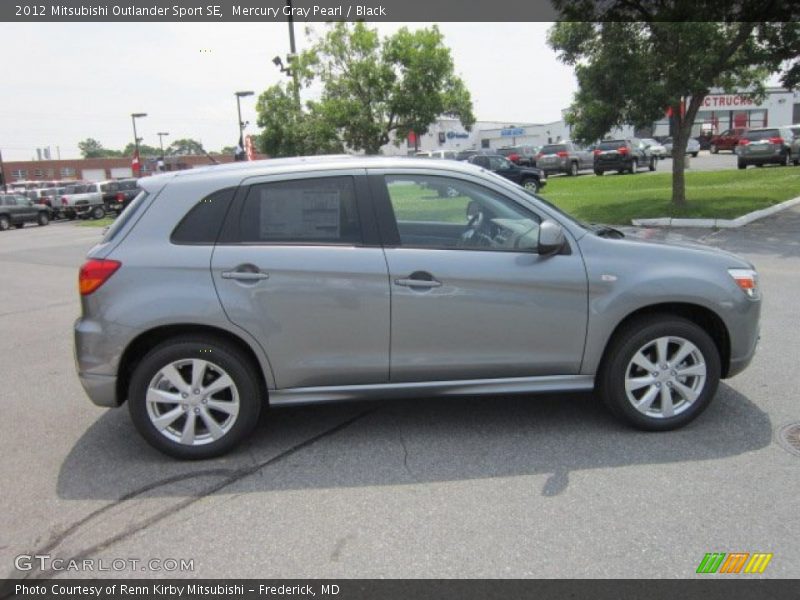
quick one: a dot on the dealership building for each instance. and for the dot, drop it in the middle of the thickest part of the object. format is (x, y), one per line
(720, 111)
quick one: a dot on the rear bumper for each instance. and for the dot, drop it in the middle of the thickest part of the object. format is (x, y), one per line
(101, 389)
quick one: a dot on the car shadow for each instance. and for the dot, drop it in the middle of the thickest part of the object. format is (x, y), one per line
(406, 442)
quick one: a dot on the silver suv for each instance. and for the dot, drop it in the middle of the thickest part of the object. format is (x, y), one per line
(296, 281)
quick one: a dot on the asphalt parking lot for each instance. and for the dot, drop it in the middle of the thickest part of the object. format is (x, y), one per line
(546, 486)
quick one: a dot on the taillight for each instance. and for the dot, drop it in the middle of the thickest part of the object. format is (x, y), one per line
(744, 142)
(94, 273)
(776, 140)
(120, 196)
(513, 157)
(540, 155)
(562, 154)
(596, 152)
(623, 150)
(63, 200)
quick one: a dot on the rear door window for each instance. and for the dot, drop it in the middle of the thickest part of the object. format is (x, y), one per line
(304, 211)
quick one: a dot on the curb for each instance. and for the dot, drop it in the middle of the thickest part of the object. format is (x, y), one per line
(718, 223)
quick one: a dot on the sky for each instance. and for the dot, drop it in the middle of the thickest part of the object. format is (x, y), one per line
(65, 82)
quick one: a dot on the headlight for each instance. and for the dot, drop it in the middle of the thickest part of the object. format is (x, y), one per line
(747, 280)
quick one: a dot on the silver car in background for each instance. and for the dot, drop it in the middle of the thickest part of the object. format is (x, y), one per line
(294, 281)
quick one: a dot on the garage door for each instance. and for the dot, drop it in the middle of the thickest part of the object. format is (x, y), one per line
(93, 174)
(121, 172)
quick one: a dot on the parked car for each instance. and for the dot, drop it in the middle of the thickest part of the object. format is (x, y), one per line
(627, 155)
(765, 145)
(118, 194)
(655, 147)
(294, 281)
(524, 156)
(531, 178)
(83, 200)
(17, 209)
(564, 157)
(467, 154)
(727, 140)
(440, 154)
(692, 146)
(795, 147)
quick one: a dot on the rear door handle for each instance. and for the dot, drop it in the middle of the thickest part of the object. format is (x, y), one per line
(421, 283)
(245, 275)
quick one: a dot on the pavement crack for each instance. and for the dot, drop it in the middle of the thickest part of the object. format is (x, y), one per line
(230, 477)
(405, 449)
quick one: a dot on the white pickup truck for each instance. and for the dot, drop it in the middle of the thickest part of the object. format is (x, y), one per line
(83, 200)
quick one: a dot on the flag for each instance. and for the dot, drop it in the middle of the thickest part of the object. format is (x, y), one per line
(240, 154)
(250, 147)
(135, 164)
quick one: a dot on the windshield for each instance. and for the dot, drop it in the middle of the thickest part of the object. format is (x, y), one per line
(75, 189)
(553, 149)
(762, 134)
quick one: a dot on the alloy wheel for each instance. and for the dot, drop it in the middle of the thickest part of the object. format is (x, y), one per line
(665, 377)
(192, 402)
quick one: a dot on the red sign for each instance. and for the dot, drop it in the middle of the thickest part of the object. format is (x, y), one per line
(249, 147)
(727, 100)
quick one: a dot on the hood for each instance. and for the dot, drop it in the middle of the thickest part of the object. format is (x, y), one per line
(665, 237)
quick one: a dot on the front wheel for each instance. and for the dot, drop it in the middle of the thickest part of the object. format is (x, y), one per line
(659, 372)
(573, 169)
(98, 212)
(634, 166)
(598, 172)
(714, 149)
(194, 398)
(787, 160)
(5, 223)
(695, 154)
(741, 165)
(652, 165)
(43, 219)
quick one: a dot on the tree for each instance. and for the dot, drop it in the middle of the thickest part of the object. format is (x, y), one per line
(185, 147)
(635, 61)
(144, 150)
(91, 148)
(228, 150)
(373, 90)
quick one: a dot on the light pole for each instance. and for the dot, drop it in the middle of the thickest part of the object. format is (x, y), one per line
(135, 116)
(239, 96)
(161, 135)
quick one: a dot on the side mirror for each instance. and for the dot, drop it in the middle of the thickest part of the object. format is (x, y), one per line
(551, 238)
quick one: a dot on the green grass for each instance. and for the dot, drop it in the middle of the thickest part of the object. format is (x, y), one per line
(617, 199)
(105, 222)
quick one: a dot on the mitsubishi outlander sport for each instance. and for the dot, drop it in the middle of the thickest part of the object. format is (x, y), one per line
(221, 290)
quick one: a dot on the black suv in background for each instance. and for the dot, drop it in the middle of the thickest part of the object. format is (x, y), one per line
(524, 156)
(118, 194)
(622, 156)
(16, 210)
(528, 177)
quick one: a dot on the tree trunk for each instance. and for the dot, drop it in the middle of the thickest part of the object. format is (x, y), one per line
(684, 120)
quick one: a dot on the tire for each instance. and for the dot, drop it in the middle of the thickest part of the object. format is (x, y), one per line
(573, 169)
(5, 223)
(741, 165)
(787, 160)
(634, 166)
(43, 219)
(531, 184)
(687, 395)
(695, 154)
(598, 172)
(652, 165)
(98, 212)
(19, 225)
(71, 216)
(714, 149)
(243, 394)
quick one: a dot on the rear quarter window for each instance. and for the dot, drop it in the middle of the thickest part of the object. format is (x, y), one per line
(119, 223)
(203, 222)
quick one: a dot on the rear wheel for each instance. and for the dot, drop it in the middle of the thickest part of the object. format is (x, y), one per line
(652, 165)
(5, 223)
(659, 372)
(741, 165)
(598, 172)
(98, 212)
(787, 160)
(714, 149)
(695, 154)
(19, 225)
(43, 219)
(573, 169)
(194, 398)
(634, 166)
(531, 184)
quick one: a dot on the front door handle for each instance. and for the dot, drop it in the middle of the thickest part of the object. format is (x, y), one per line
(245, 275)
(415, 281)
